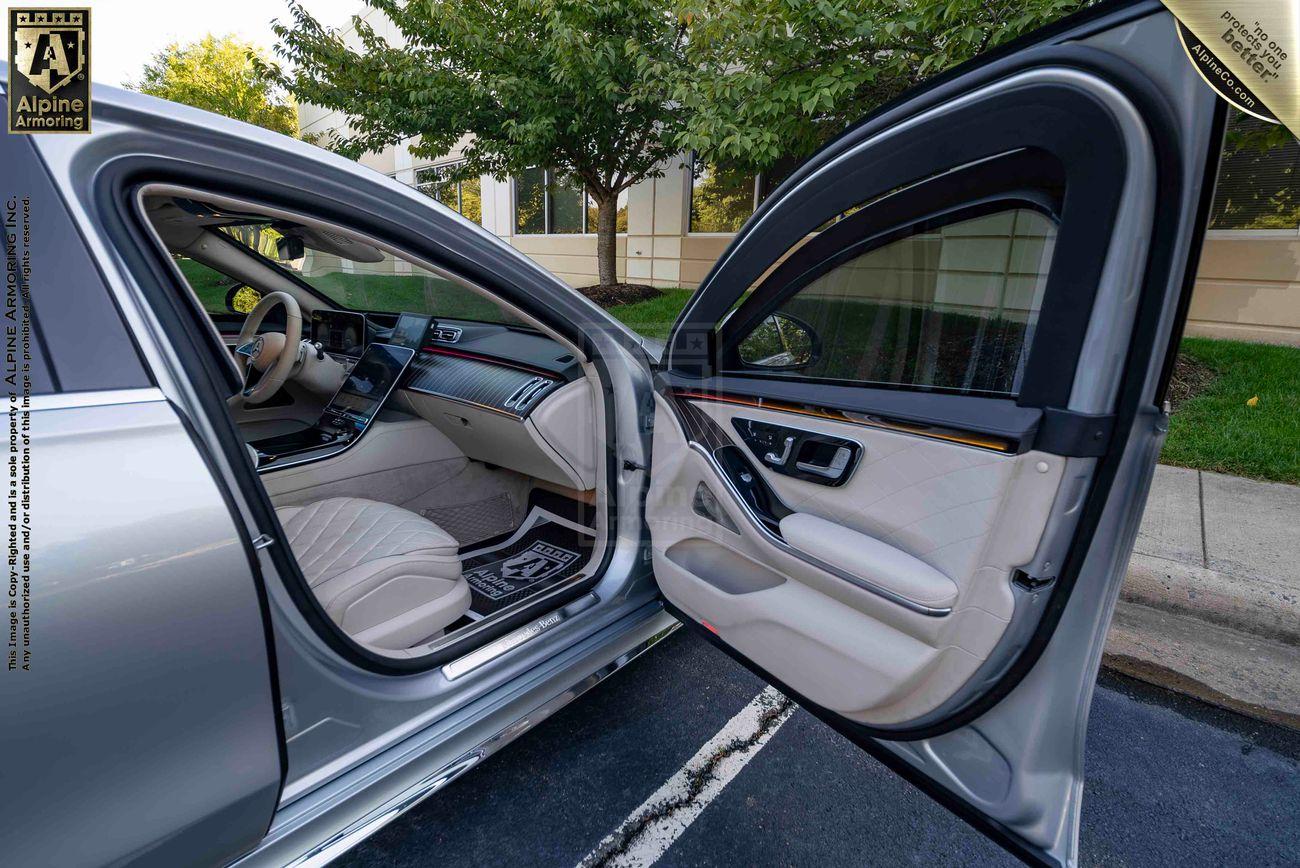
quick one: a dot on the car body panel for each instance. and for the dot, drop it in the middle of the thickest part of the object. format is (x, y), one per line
(145, 731)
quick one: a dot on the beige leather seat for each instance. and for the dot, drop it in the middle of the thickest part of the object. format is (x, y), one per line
(385, 575)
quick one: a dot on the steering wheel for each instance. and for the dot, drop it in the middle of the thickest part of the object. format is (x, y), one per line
(273, 353)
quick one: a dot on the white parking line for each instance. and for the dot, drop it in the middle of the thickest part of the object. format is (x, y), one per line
(660, 820)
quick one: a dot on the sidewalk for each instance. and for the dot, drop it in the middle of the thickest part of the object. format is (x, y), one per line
(1211, 606)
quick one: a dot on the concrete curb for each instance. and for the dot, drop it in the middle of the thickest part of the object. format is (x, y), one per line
(1259, 678)
(1254, 607)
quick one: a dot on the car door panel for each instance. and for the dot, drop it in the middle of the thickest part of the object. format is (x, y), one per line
(922, 507)
(945, 602)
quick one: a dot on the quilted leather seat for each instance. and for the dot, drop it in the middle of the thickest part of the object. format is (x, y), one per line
(385, 575)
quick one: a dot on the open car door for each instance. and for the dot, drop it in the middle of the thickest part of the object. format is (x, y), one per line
(906, 428)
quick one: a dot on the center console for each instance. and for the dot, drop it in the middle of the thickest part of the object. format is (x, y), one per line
(350, 412)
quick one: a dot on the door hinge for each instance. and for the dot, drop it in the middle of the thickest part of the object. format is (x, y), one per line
(1022, 579)
(629, 464)
(263, 541)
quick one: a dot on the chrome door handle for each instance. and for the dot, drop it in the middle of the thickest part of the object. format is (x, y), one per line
(780, 460)
(834, 470)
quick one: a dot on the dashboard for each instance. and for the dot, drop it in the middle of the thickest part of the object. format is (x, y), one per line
(506, 396)
(494, 367)
(490, 367)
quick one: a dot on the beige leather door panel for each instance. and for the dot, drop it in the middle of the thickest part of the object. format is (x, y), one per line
(933, 530)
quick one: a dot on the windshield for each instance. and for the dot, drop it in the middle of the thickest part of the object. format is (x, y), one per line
(384, 283)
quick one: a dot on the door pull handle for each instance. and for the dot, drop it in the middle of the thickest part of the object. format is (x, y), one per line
(834, 470)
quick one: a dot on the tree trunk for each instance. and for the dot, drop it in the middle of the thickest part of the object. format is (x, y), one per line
(606, 239)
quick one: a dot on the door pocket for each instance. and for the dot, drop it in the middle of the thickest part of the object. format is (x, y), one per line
(722, 568)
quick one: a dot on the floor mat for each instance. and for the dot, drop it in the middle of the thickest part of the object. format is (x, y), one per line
(472, 522)
(545, 550)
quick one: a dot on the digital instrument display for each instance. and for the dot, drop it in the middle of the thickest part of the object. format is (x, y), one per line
(368, 384)
(340, 332)
(410, 330)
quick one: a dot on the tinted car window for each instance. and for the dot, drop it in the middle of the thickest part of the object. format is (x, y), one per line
(952, 307)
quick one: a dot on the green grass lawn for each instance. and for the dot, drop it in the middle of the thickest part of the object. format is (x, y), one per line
(653, 317)
(1217, 430)
(210, 286)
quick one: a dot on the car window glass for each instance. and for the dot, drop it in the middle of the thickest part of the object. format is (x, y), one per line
(382, 283)
(209, 285)
(952, 307)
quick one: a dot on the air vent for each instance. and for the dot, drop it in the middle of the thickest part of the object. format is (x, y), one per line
(444, 334)
(519, 397)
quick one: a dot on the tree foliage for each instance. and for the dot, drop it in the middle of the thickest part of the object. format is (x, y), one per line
(218, 74)
(605, 92)
(573, 85)
(772, 79)
(579, 86)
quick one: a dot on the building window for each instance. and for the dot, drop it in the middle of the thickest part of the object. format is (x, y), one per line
(722, 198)
(545, 205)
(464, 197)
(1257, 189)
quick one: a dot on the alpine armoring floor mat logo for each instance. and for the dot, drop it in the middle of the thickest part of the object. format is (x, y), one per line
(539, 561)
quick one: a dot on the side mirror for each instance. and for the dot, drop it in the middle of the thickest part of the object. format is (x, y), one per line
(242, 299)
(780, 343)
(289, 248)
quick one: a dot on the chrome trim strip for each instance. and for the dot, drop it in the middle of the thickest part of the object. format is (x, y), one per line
(68, 400)
(857, 581)
(368, 824)
(489, 408)
(574, 607)
(476, 658)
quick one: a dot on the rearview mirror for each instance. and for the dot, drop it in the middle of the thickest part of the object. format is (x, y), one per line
(242, 299)
(780, 342)
(289, 248)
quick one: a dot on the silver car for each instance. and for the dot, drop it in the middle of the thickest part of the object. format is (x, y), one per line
(330, 493)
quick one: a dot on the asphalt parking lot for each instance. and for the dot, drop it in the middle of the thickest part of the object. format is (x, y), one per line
(1170, 782)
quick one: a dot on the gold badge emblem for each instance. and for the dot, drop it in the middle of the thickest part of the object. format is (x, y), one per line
(1245, 50)
(49, 70)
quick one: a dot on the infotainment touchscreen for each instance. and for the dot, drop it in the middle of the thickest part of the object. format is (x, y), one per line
(410, 330)
(340, 332)
(367, 385)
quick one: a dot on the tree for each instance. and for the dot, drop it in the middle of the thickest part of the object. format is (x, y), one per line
(772, 80)
(603, 92)
(218, 74)
(574, 86)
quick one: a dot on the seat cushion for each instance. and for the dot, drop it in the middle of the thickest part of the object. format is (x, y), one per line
(385, 575)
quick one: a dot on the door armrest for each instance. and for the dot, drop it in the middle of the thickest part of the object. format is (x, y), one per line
(870, 559)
